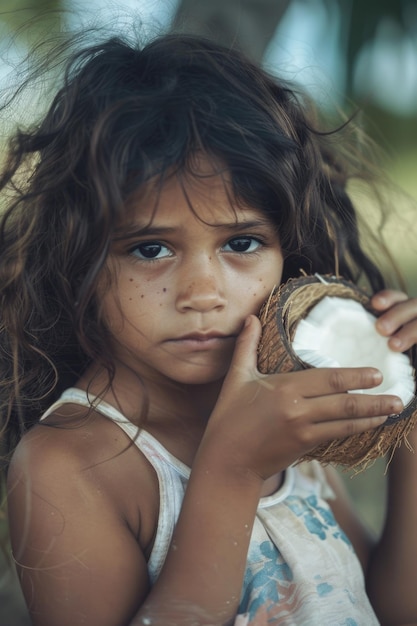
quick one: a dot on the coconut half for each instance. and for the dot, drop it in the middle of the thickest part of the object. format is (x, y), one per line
(316, 321)
(338, 332)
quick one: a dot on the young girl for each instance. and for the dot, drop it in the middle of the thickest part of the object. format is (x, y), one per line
(164, 194)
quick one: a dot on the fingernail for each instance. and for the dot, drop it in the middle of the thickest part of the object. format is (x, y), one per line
(377, 376)
(395, 342)
(382, 325)
(397, 406)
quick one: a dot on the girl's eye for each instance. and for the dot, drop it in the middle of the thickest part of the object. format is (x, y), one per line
(243, 244)
(150, 250)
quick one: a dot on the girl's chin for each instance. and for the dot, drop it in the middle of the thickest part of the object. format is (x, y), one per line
(199, 378)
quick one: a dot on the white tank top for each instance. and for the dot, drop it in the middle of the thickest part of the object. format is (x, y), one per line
(301, 568)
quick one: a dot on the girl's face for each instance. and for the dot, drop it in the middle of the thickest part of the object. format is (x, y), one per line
(185, 279)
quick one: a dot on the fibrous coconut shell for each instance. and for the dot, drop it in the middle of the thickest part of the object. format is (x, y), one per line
(279, 316)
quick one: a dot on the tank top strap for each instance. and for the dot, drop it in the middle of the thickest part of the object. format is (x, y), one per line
(171, 472)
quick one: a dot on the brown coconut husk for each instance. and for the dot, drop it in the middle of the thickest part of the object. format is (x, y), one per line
(279, 316)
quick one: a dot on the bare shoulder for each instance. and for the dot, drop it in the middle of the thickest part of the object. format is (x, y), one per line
(51, 446)
(80, 454)
(78, 523)
(77, 441)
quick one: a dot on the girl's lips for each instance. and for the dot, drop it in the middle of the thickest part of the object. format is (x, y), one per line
(201, 341)
(202, 336)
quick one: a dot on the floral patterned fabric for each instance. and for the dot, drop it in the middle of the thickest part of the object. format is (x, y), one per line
(302, 570)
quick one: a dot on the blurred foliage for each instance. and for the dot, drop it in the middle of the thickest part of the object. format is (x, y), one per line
(364, 18)
(360, 19)
(14, 13)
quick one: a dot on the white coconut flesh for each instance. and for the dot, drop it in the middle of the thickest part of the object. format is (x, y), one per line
(340, 332)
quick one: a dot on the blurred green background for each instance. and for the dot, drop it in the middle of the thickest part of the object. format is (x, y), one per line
(346, 53)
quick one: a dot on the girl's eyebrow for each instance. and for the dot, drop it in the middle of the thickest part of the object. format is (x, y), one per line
(141, 231)
(135, 230)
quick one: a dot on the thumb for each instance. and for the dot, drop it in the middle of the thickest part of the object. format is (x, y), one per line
(245, 356)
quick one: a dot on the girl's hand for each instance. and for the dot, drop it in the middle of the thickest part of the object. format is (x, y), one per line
(264, 423)
(398, 320)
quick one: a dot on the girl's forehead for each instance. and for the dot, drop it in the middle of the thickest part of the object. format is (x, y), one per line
(206, 192)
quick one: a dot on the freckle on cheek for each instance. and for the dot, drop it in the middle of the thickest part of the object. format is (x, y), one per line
(164, 289)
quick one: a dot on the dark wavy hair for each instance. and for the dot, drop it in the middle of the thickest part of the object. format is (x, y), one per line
(126, 114)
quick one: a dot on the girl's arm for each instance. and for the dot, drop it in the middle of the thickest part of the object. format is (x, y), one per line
(80, 561)
(77, 558)
(392, 571)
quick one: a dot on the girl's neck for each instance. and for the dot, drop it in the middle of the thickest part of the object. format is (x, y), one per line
(155, 404)
(176, 415)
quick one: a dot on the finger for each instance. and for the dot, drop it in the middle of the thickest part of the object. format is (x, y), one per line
(245, 354)
(397, 316)
(386, 298)
(346, 427)
(355, 406)
(328, 381)
(404, 339)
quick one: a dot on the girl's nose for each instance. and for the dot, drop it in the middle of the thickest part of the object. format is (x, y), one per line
(200, 290)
